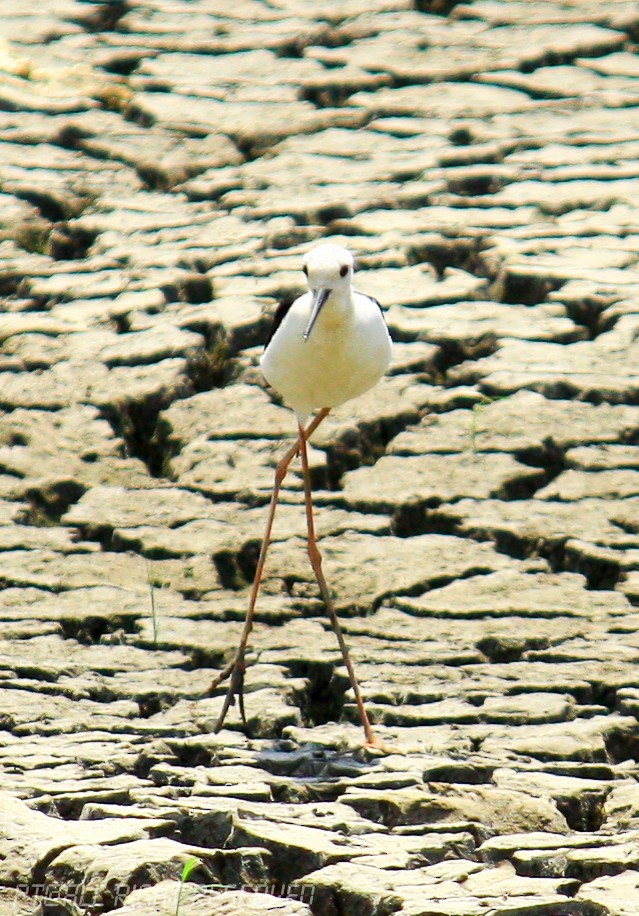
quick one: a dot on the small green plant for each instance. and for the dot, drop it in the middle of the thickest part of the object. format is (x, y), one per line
(473, 425)
(486, 401)
(187, 868)
(154, 611)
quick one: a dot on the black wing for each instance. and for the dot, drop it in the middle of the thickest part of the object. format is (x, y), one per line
(280, 314)
(378, 304)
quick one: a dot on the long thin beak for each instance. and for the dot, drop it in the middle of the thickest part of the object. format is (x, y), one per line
(319, 298)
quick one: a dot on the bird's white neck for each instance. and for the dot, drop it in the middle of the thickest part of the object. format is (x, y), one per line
(338, 307)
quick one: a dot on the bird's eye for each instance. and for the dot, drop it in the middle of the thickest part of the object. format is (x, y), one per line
(343, 270)
(305, 270)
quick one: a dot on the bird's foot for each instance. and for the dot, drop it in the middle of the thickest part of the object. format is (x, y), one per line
(377, 747)
(220, 678)
(235, 689)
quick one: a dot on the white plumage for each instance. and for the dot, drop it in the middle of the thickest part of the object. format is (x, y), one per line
(329, 346)
(332, 343)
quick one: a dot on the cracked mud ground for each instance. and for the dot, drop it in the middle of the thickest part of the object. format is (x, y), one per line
(164, 167)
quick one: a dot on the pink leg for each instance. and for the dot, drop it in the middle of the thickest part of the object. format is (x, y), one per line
(235, 668)
(316, 563)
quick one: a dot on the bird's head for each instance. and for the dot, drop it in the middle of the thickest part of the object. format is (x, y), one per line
(328, 268)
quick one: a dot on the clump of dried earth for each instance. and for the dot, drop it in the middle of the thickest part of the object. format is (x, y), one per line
(164, 167)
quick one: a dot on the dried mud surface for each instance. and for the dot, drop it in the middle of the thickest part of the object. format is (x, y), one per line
(164, 167)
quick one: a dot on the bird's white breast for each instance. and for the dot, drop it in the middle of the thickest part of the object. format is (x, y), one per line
(346, 354)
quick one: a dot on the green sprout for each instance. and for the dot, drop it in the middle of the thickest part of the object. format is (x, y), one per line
(187, 868)
(485, 401)
(154, 611)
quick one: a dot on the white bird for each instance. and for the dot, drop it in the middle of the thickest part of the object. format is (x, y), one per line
(330, 345)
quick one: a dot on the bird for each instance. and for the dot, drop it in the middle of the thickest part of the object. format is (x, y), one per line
(328, 346)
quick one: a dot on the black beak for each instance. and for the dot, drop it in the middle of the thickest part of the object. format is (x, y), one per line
(319, 298)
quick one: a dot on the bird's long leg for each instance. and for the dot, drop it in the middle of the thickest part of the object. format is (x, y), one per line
(316, 563)
(235, 668)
